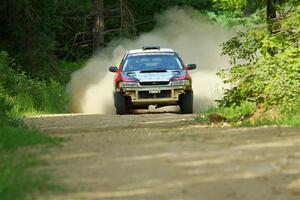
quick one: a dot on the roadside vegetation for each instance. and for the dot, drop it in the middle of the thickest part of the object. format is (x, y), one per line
(18, 177)
(27, 95)
(264, 76)
(20, 95)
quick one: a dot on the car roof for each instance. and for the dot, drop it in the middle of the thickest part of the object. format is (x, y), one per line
(160, 50)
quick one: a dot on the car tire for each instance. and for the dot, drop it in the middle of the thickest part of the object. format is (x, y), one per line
(186, 103)
(120, 104)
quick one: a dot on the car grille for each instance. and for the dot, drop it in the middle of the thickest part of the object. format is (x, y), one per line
(147, 95)
(154, 83)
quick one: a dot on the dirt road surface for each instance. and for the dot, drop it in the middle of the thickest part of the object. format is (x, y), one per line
(170, 157)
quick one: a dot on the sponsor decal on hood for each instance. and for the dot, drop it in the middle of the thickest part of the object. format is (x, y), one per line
(150, 76)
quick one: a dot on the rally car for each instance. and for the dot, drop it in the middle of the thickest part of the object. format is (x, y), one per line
(152, 76)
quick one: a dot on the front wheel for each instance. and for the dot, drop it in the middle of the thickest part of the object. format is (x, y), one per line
(186, 103)
(120, 104)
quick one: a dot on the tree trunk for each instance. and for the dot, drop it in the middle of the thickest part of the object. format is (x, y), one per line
(98, 32)
(273, 26)
(127, 28)
(271, 14)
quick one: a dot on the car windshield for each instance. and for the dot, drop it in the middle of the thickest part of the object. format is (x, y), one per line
(153, 62)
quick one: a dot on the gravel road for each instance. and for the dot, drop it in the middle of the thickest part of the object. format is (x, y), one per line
(169, 157)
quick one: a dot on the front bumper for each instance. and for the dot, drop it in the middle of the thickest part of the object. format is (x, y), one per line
(163, 95)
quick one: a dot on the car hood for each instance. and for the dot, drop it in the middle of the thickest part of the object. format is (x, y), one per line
(150, 76)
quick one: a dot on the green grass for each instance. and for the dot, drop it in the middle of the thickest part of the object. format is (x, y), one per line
(12, 138)
(292, 119)
(292, 116)
(286, 120)
(19, 177)
(240, 116)
(18, 181)
(232, 114)
(288, 116)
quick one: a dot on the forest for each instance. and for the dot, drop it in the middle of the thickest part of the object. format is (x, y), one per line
(43, 42)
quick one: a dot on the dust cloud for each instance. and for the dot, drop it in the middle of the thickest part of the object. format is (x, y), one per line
(194, 37)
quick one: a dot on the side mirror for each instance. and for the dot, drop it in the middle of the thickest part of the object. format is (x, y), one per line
(113, 69)
(191, 66)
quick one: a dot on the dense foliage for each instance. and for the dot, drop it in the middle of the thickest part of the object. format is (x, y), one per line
(37, 33)
(40, 33)
(266, 67)
(232, 5)
(21, 94)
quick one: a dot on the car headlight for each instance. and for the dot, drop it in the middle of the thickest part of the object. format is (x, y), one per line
(128, 84)
(181, 82)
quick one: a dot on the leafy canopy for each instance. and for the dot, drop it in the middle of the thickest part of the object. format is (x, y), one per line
(265, 67)
(229, 4)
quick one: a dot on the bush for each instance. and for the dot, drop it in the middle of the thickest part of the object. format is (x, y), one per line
(25, 95)
(66, 68)
(265, 67)
(6, 116)
(55, 98)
